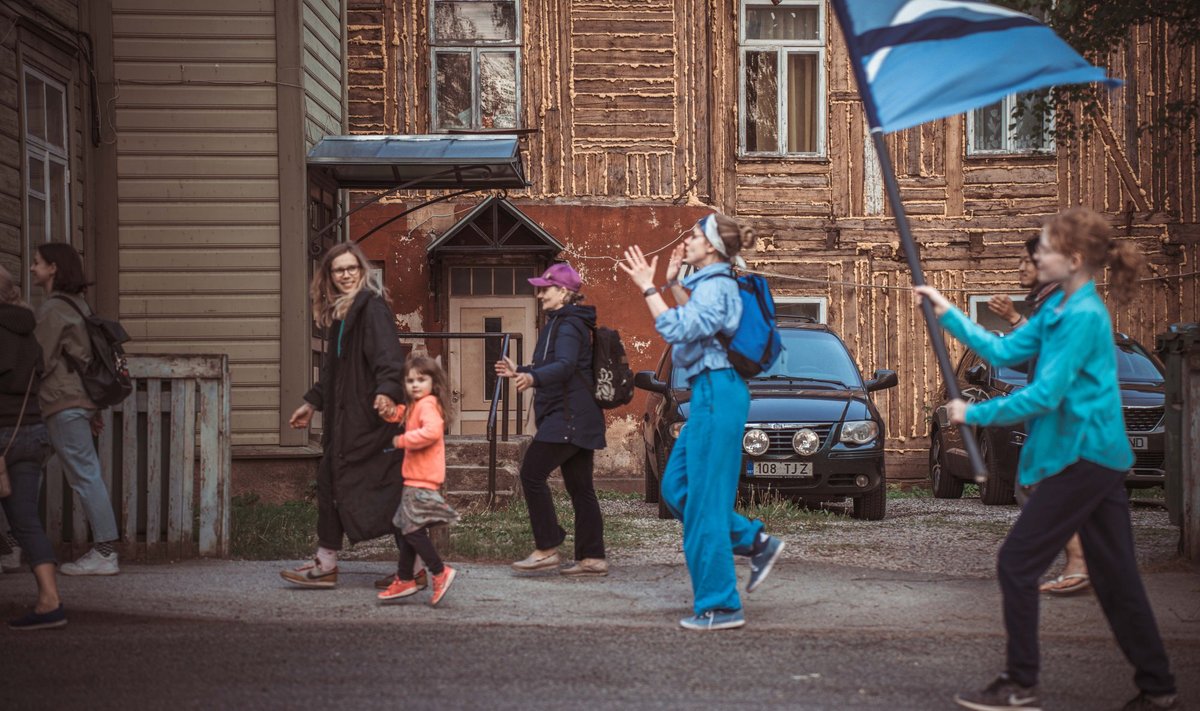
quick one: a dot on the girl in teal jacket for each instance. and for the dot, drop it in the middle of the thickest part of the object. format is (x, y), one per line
(1077, 453)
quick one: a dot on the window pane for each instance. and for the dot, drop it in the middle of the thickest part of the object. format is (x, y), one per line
(809, 309)
(37, 174)
(1029, 131)
(481, 281)
(468, 21)
(491, 350)
(762, 102)
(503, 285)
(59, 219)
(783, 23)
(460, 282)
(990, 123)
(55, 119)
(802, 103)
(453, 90)
(35, 107)
(521, 277)
(498, 89)
(37, 220)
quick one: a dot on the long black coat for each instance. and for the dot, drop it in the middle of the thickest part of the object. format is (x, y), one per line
(366, 481)
(563, 406)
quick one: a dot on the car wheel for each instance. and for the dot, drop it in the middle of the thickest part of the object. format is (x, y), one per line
(994, 491)
(945, 484)
(872, 506)
(651, 490)
(661, 457)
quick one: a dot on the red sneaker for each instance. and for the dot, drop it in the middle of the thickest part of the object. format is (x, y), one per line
(398, 589)
(441, 584)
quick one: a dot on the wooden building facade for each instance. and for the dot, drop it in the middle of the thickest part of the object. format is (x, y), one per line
(643, 114)
(166, 141)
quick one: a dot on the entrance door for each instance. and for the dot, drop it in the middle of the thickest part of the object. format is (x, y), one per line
(471, 376)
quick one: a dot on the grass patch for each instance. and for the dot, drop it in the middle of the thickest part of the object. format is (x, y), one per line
(782, 515)
(899, 491)
(272, 531)
(1153, 493)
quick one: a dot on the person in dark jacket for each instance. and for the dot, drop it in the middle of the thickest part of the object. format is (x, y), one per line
(26, 446)
(570, 426)
(358, 482)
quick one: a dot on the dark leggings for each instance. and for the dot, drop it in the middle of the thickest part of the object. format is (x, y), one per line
(416, 544)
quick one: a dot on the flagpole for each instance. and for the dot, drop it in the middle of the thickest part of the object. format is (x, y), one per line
(978, 469)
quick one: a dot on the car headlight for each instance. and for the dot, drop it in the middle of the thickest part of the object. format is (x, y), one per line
(756, 442)
(859, 431)
(675, 429)
(806, 442)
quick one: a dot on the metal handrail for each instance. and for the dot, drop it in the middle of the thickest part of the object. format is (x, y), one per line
(500, 393)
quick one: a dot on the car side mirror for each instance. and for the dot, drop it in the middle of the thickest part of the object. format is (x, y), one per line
(977, 374)
(882, 380)
(646, 381)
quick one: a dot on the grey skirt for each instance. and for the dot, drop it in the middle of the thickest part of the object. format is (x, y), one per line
(420, 508)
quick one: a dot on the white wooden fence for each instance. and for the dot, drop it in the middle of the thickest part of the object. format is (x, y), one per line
(166, 459)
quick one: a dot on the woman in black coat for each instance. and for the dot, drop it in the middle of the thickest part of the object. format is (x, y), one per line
(25, 444)
(358, 483)
(570, 426)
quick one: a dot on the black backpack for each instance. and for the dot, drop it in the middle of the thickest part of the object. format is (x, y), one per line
(611, 375)
(106, 377)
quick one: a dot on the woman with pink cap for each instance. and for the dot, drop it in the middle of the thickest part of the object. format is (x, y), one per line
(570, 426)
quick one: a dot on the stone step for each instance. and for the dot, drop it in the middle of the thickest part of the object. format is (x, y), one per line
(473, 450)
(478, 499)
(465, 478)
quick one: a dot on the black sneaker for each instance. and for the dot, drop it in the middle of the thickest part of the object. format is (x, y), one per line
(1150, 702)
(1003, 693)
(40, 620)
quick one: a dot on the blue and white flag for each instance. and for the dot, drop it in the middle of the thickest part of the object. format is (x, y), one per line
(920, 60)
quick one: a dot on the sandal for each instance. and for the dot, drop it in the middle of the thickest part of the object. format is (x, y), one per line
(1081, 582)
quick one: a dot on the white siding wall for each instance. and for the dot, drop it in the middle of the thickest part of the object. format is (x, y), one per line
(198, 191)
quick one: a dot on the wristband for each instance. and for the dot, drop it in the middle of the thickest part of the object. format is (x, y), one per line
(649, 291)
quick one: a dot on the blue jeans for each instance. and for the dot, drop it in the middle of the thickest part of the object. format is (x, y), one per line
(29, 452)
(71, 434)
(700, 486)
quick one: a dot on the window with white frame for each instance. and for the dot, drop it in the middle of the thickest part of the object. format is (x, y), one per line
(47, 159)
(782, 78)
(992, 129)
(475, 61)
(982, 315)
(813, 307)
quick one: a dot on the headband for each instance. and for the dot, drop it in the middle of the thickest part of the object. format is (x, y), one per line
(708, 225)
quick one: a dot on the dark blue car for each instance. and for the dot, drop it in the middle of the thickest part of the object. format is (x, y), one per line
(813, 432)
(1142, 398)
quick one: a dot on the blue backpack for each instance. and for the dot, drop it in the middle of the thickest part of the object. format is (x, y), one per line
(756, 344)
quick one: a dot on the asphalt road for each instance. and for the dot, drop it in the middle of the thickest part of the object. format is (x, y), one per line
(227, 635)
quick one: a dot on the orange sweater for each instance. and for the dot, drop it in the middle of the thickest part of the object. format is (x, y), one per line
(423, 442)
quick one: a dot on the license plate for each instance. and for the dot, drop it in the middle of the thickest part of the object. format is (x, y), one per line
(1137, 442)
(801, 470)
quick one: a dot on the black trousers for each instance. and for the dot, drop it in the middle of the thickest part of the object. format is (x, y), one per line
(541, 459)
(1092, 500)
(411, 545)
(329, 523)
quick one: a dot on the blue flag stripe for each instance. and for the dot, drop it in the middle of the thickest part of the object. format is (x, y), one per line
(937, 28)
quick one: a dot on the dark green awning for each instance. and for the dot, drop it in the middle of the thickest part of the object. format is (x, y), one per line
(429, 162)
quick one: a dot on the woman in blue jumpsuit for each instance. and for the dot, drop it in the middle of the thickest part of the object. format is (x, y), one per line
(700, 483)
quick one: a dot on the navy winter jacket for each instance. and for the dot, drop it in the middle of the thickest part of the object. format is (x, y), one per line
(562, 373)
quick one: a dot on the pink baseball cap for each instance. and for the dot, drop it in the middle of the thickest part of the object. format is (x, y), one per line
(560, 274)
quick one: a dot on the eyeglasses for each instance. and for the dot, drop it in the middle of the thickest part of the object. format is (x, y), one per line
(347, 271)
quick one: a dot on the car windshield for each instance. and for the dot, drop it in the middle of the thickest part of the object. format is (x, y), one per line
(1134, 365)
(812, 357)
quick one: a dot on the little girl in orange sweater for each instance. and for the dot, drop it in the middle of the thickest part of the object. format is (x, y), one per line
(424, 470)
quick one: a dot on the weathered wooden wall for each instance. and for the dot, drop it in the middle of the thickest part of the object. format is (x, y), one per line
(635, 103)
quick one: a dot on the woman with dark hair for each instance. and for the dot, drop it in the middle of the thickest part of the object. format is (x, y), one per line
(1076, 454)
(358, 482)
(699, 485)
(71, 417)
(570, 426)
(25, 446)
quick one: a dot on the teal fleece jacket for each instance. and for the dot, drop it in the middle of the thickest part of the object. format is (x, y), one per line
(1072, 409)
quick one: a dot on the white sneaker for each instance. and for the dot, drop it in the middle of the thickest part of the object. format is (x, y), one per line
(11, 562)
(92, 563)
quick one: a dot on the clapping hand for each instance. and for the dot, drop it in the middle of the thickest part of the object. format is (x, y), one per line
(675, 262)
(638, 269)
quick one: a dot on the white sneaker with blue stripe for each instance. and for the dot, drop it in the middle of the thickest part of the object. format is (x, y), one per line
(714, 620)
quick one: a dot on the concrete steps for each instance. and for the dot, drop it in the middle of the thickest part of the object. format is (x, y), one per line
(467, 469)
